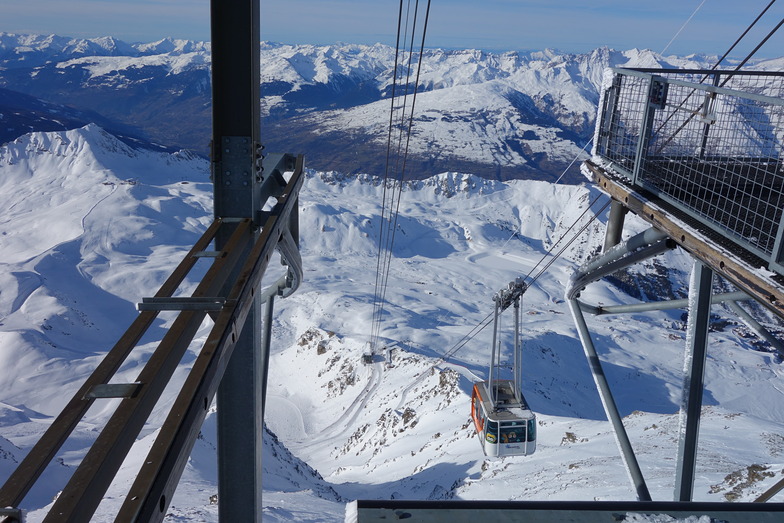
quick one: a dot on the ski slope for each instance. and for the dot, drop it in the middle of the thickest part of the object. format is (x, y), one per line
(88, 226)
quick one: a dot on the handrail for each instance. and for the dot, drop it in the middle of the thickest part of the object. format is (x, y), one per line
(717, 156)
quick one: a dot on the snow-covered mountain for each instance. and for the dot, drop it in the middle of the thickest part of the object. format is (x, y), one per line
(498, 115)
(89, 225)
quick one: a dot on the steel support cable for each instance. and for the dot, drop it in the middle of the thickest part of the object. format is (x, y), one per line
(408, 141)
(557, 179)
(682, 28)
(553, 246)
(741, 37)
(388, 239)
(398, 178)
(486, 321)
(574, 238)
(388, 202)
(386, 175)
(728, 77)
(399, 189)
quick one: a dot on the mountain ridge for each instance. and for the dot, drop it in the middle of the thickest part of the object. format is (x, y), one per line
(332, 102)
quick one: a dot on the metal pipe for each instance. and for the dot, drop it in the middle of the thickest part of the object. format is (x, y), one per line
(756, 326)
(490, 391)
(693, 380)
(582, 278)
(729, 297)
(643, 239)
(266, 339)
(612, 235)
(518, 357)
(610, 409)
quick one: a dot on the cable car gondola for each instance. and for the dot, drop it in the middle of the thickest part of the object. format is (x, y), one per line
(505, 424)
(509, 427)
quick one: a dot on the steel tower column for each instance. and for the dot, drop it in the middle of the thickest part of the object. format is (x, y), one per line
(614, 231)
(238, 194)
(694, 372)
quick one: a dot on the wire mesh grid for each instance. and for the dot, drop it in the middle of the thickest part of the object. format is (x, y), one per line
(625, 105)
(718, 155)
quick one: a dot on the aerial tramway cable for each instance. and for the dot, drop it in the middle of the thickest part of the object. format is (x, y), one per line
(682, 28)
(387, 238)
(487, 320)
(714, 67)
(379, 264)
(392, 204)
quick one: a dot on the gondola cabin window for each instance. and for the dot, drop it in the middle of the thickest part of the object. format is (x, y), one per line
(492, 432)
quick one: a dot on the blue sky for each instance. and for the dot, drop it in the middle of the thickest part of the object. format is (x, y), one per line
(568, 25)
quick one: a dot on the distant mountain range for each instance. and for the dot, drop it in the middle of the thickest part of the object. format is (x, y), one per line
(507, 115)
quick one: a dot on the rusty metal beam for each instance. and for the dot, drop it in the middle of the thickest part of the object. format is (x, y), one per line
(84, 492)
(726, 260)
(43, 452)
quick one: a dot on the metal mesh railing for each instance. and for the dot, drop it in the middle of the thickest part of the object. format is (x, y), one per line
(713, 149)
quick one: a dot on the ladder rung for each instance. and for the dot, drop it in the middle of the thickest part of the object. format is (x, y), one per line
(197, 303)
(207, 254)
(113, 390)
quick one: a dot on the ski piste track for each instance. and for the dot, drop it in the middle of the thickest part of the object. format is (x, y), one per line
(28, 278)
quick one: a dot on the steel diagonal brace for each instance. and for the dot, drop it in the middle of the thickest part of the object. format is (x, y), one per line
(639, 247)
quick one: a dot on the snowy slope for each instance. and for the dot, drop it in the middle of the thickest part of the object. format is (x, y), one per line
(89, 226)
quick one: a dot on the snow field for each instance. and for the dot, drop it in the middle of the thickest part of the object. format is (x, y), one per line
(341, 430)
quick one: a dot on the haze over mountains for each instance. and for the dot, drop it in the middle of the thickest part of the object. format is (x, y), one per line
(500, 116)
